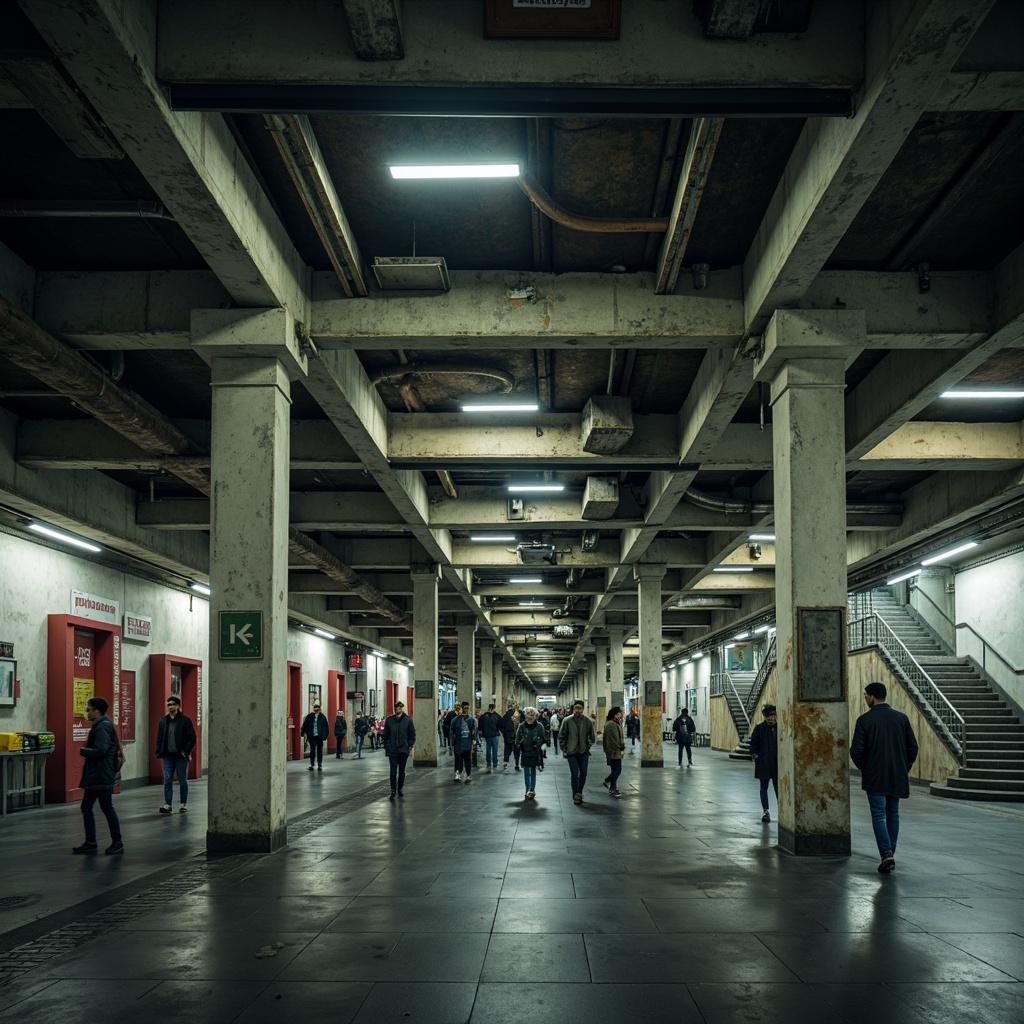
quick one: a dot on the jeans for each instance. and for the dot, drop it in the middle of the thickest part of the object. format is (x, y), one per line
(689, 756)
(885, 820)
(764, 791)
(106, 799)
(530, 777)
(398, 771)
(491, 743)
(177, 764)
(578, 771)
(316, 753)
(359, 745)
(613, 775)
(464, 762)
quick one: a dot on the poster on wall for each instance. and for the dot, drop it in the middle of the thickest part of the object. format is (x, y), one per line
(8, 673)
(127, 707)
(314, 694)
(740, 658)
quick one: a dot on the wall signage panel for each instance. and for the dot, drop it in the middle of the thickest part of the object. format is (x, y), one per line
(137, 627)
(92, 606)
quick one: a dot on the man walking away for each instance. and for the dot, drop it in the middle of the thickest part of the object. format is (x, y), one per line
(684, 729)
(490, 729)
(399, 739)
(102, 754)
(463, 736)
(175, 741)
(764, 752)
(632, 730)
(340, 732)
(884, 748)
(578, 735)
(555, 724)
(362, 727)
(314, 728)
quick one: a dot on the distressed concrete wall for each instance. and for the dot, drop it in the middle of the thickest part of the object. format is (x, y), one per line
(723, 731)
(934, 761)
(36, 581)
(989, 598)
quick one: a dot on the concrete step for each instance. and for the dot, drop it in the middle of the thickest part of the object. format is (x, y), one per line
(995, 796)
(1009, 774)
(1002, 764)
(1007, 785)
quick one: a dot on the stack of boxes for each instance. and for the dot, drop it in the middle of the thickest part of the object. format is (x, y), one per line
(26, 741)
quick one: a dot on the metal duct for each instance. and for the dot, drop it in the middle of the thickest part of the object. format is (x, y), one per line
(389, 374)
(146, 209)
(698, 601)
(764, 508)
(602, 225)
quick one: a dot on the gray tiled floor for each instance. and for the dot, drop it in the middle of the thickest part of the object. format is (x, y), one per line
(465, 904)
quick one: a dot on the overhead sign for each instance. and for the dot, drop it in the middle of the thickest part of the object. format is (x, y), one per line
(92, 606)
(241, 634)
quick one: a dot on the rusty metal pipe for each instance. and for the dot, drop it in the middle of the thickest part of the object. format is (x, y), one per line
(598, 225)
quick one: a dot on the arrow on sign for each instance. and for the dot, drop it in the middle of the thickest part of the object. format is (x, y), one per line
(242, 634)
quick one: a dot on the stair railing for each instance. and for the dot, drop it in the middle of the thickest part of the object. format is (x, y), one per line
(874, 631)
(986, 647)
(761, 680)
(739, 701)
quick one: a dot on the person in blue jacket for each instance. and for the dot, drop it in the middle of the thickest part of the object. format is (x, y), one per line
(764, 751)
(463, 735)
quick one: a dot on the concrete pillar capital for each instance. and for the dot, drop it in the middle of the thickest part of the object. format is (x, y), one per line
(812, 334)
(644, 571)
(249, 333)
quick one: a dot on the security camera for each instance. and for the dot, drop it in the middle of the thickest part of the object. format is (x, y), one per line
(754, 550)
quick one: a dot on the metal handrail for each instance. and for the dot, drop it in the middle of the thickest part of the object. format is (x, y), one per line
(739, 699)
(761, 679)
(874, 631)
(985, 645)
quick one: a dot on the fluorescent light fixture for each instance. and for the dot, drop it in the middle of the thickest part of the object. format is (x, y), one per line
(64, 538)
(200, 588)
(498, 407)
(531, 604)
(950, 553)
(324, 634)
(534, 488)
(379, 654)
(763, 629)
(903, 576)
(762, 536)
(729, 647)
(685, 661)
(982, 394)
(407, 171)
(527, 579)
(486, 538)
(735, 568)
(697, 655)
(741, 636)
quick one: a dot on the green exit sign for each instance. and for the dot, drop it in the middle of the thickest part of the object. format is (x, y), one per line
(241, 634)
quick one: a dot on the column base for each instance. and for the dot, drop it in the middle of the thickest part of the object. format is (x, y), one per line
(835, 845)
(424, 762)
(651, 763)
(224, 844)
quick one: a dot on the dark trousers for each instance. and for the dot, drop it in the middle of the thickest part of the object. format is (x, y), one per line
(106, 799)
(316, 753)
(464, 762)
(340, 741)
(511, 749)
(554, 739)
(764, 790)
(397, 771)
(578, 771)
(615, 766)
(685, 743)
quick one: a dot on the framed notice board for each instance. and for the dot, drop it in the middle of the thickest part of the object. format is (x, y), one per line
(821, 654)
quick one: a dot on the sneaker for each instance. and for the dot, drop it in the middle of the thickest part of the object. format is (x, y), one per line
(166, 809)
(115, 847)
(401, 795)
(392, 796)
(577, 798)
(319, 768)
(518, 769)
(310, 768)
(457, 779)
(85, 848)
(183, 809)
(505, 767)
(606, 784)
(488, 772)
(766, 816)
(888, 863)
(615, 792)
(469, 779)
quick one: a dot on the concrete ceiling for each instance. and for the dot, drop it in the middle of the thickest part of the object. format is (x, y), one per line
(235, 156)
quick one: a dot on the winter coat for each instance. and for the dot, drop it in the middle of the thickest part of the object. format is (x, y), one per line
(490, 724)
(185, 734)
(884, 748)
(362, 725)
(340, 727)
(613, 741)
(101, 756)
(531, 740)
(764, 746)
(508, 727)
(321, 725)
(458, 741)
(633, 726)
(399, 735)
(684, 728)
(576, 736)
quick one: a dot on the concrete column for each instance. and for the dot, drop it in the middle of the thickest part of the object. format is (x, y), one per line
(649, 579)
(497, 675)
(251, 353)
(616, 671)
(424, 656)
(805, 356)
(602, 684)
(465, 684)
(593, 691)
(486, 675)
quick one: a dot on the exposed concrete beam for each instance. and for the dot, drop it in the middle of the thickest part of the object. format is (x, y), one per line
(376, 27)
(732, 19)
(948, 446)
(911, 46)
(394, 584)
(981, 91)
(191, 160)
(659, 47)
(17, 281)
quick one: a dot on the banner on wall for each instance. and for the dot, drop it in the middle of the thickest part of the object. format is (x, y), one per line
(92, 606)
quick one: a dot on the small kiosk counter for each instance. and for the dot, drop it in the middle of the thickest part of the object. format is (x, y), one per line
(23, 769)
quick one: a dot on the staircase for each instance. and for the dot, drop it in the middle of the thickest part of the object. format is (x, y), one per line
(743, 681)
(994, 764)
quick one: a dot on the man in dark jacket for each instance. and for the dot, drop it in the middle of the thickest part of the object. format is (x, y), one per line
(463, 735)
(577, 735)
(102, 755)
(314, 728)
(175, 741)
(684, 729)
(884, 748)
(399, 739)
(490, 729)
(340, 732)
(446, 727)
(362, 728)
(764, 751)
